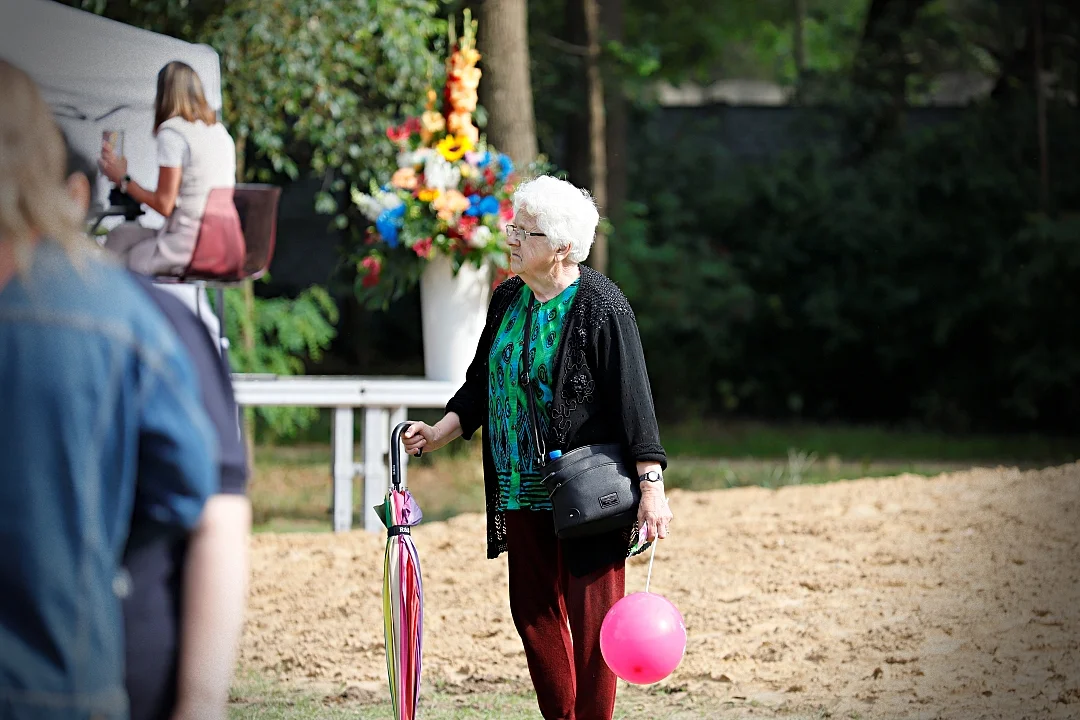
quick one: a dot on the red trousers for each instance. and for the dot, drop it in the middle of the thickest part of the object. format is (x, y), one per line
(558, 617)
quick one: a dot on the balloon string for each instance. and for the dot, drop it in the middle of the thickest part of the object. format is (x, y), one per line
(652, 556)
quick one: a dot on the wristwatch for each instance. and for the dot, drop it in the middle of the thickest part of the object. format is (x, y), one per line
(651, 476)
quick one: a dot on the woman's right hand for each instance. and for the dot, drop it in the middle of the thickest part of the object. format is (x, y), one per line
(112, 167)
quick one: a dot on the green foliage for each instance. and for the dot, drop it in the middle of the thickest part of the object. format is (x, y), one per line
(278, 338)
(179, 18)
(915, 285)
(700, 40)
(313, 84)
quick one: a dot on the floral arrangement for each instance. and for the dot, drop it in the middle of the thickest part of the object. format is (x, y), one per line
(449, 196)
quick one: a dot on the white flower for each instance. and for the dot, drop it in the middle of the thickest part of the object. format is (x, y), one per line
(373, 205)
(413, 158)
(440, 174)
(388, 200)
(481, 237)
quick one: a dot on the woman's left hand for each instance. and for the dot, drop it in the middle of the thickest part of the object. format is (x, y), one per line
(653, 511)
(114, 168)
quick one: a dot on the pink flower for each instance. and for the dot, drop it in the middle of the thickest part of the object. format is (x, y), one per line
(423, 248)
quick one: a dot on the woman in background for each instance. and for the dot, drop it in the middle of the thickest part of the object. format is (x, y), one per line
(195, 155)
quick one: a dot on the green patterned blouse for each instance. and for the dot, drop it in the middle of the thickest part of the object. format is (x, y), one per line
(520, 485)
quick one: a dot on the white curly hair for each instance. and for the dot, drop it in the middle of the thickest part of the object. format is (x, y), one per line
(566, 214)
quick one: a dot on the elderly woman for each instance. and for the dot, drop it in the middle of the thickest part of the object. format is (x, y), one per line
(594, 388)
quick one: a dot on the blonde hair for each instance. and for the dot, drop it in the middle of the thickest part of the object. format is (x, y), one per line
(34, 201)
(180, 93)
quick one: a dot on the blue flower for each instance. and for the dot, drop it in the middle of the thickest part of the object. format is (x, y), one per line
(486, 205)
(506, 166)
(388, 223)
(489, 205)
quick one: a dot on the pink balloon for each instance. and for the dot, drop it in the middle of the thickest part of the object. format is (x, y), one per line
(643, 638)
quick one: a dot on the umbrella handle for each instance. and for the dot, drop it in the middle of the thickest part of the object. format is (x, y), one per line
(395, 452)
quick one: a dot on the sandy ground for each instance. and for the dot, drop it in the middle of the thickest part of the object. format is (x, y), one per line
(955, 597)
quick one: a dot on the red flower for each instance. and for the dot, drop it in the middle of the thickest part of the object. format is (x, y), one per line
(489, 175)
(401, 133)
(372, 267)
(423, 248)
(467, 226)
(506, 210)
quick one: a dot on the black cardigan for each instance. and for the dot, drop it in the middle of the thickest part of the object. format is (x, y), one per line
(601, 395)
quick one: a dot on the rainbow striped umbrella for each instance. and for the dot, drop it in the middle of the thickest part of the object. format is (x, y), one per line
(403, 589)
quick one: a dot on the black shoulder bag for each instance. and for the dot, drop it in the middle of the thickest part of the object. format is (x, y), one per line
(593, 488)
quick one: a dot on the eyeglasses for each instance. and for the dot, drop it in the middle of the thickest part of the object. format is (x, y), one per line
(519, 234)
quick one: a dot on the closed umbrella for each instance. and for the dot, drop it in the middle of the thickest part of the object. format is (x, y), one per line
(403, 590)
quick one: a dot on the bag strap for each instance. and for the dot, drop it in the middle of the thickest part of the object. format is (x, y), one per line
(529, 384)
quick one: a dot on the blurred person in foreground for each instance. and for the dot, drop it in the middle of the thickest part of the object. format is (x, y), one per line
(185, 609)
(592, 387)
(95, 391)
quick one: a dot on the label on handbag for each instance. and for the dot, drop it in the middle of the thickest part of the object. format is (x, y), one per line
(609, 501)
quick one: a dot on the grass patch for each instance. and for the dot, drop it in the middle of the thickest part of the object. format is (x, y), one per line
(861, 444)
(291, 486)
(800, 469)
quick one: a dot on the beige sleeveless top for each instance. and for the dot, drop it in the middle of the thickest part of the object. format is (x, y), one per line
(210, 162)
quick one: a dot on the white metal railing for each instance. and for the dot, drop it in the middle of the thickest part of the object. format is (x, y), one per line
(385, 401)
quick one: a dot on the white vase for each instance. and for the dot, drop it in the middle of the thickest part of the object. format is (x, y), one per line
(453, 309)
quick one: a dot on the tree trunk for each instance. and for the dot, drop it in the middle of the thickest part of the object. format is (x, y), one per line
(881, 67)
(798, 39)
(576, 161)
(598, 258)
(880, 63)
(1040, 105)
(505, 88)
(612, 23)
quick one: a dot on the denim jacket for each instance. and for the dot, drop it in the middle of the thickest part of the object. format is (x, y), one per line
(95, 390)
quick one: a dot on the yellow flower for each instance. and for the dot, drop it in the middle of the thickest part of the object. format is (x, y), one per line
(427, 195)
(454, 148)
